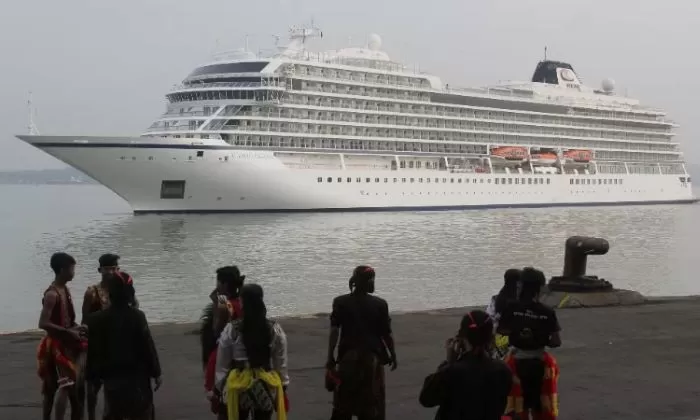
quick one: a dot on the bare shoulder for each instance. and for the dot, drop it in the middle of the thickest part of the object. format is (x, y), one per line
(50, 295)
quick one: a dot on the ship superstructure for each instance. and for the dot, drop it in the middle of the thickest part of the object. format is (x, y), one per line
(352, 129)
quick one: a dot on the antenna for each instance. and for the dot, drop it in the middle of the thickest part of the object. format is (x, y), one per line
(246, 42)
(31, 127)
(545, 53)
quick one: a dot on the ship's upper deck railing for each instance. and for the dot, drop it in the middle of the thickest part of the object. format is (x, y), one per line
(204, 85)
(569, 100)
(360, 62)
(499, 92)
(522, 93)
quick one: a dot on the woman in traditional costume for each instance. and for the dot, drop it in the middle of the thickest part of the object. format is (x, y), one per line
(224, 307)
(251, 363)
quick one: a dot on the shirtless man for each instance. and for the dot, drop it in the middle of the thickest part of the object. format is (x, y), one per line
(60, 350)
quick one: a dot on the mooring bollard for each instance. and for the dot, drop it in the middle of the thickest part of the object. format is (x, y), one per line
(574, 278)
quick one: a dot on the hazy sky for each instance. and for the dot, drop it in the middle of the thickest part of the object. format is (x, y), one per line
(99, 67)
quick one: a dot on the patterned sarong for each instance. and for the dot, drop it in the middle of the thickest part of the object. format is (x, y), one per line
(57, 364)
(60, 365)
(360, 388)
(549, 401)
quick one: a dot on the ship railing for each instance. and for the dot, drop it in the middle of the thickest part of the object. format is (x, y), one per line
(175, 114)
(638, 110)
(378, 82)
(171, 128)
(376, 64)
(634, 144)
(195, 86)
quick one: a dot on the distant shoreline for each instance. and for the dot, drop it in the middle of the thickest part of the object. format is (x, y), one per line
(65, 176)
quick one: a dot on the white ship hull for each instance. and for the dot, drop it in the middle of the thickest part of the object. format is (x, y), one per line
(228, 179)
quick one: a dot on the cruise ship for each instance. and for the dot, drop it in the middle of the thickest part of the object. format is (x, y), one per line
(351, 129)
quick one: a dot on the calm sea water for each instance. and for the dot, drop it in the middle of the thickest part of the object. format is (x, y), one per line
(423, 259)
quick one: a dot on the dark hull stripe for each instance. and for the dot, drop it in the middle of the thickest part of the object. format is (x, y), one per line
(429, 208)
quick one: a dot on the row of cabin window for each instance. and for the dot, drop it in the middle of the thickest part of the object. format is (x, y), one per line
(428, 164)
(593, 182)
(503, 181)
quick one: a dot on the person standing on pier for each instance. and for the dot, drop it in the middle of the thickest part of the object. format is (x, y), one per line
(361, 330)
(60, 350)
(508, 293)
(469, 384)
(97, 299)
(225, 307)
(122, 355)
(531, 327)
(251, 363)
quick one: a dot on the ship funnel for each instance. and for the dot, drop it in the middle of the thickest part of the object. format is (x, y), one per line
(556, 73)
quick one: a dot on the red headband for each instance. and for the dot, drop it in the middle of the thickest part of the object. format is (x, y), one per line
(473, 324)
(126, 278)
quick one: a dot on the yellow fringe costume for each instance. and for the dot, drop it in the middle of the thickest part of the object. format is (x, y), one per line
(240, 380)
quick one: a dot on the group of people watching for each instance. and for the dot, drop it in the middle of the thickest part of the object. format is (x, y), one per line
(244, 353)
(496, 366)
(111, 349)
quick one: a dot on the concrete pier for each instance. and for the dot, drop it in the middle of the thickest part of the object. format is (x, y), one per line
(622, 362)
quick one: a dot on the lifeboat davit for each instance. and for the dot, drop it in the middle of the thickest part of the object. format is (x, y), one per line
(510, 153)
(579, 156)
(545, 158)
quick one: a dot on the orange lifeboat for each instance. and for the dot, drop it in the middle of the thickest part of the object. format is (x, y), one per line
(583, 156)
(544, 158)
(509, 153)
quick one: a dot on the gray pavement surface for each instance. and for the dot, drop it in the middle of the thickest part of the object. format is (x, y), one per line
(616, 363)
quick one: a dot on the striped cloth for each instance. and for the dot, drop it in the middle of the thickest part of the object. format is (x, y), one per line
(548, 396)
(58, 364)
